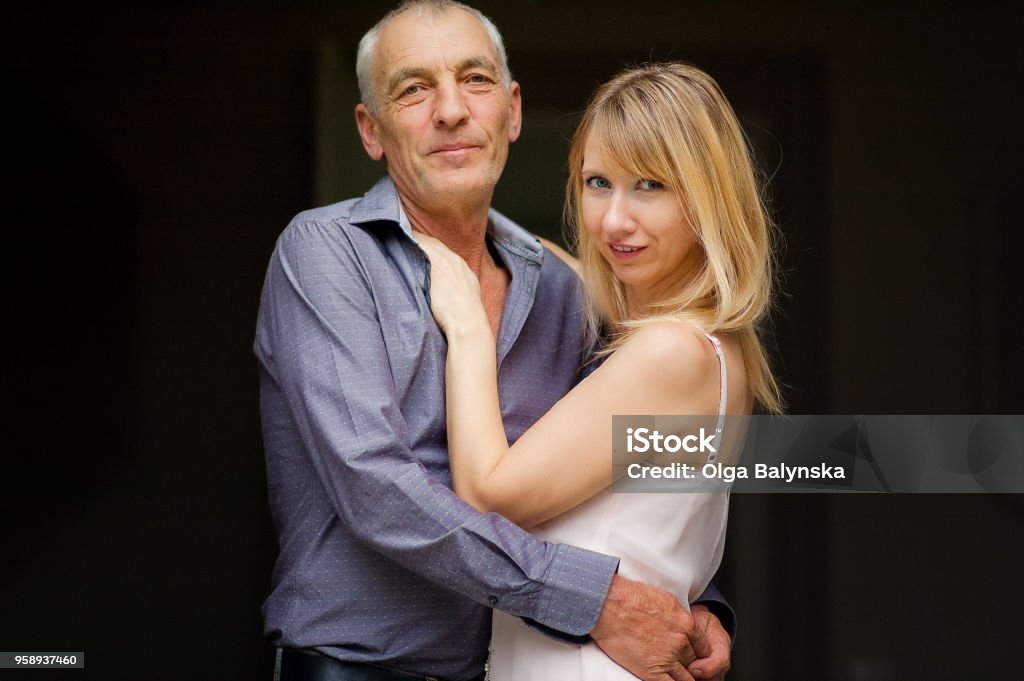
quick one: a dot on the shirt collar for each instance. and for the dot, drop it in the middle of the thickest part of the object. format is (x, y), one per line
(381, 203)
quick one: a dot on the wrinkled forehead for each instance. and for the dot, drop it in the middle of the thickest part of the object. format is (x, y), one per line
(432, 41)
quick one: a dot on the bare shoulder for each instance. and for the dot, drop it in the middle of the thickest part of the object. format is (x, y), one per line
(564, 255)
(666, 340)
(669, 355)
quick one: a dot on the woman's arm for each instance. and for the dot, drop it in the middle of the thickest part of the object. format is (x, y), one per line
(476, 434)
(565, 458)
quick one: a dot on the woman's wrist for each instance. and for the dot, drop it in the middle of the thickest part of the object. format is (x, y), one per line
(468, 329)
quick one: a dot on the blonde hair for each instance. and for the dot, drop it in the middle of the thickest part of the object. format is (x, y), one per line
(671, 123)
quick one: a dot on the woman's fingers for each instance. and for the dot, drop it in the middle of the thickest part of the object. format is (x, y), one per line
(454, 289)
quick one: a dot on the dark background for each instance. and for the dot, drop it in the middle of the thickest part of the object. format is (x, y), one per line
(152, 155)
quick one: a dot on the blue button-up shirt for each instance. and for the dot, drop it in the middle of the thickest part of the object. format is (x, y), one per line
(379, 560)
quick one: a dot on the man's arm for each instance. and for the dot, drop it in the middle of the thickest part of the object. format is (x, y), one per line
(320, 341)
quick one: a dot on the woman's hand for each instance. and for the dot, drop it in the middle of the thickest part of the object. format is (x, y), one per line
(454, 289)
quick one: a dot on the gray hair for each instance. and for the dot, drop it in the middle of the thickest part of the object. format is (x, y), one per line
(367, 53)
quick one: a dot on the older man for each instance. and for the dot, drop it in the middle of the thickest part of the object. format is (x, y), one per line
(383, 573)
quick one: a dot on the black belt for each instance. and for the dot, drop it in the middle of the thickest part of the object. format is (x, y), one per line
(309, 665)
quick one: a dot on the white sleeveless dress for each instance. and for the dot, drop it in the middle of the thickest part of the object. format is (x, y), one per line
(673, 541)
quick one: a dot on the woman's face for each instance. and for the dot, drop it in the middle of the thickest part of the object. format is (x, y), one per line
(639, 226)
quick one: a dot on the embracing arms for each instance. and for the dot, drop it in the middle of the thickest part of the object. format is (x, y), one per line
(321, 346)
(340, 358)
(564, 458)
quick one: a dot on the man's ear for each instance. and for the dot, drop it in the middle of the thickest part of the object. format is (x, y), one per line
(368, 132)
(515, 112)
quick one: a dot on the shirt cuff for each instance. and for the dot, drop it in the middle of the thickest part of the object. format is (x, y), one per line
(576, 585)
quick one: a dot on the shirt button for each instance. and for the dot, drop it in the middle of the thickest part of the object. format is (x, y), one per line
(493, 600)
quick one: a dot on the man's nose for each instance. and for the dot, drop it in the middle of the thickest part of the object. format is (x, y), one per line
(450, 109)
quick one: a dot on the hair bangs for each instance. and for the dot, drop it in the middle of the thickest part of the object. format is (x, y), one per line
(629, 137)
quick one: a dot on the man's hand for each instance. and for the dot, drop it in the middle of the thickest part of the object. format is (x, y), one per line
(714, 666)
(648, 632)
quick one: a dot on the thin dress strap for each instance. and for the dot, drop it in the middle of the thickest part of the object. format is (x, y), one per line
(723, 392)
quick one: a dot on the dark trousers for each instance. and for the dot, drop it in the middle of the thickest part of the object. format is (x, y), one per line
(309, 665)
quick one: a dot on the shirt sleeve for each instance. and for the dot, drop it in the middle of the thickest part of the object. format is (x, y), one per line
(320, 340)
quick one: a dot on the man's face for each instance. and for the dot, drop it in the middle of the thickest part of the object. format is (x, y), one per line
(444, 120)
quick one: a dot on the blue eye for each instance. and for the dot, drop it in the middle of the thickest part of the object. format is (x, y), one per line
(598, 182)
(650, 185)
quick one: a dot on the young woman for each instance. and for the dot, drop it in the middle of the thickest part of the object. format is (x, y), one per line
(675, 258)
